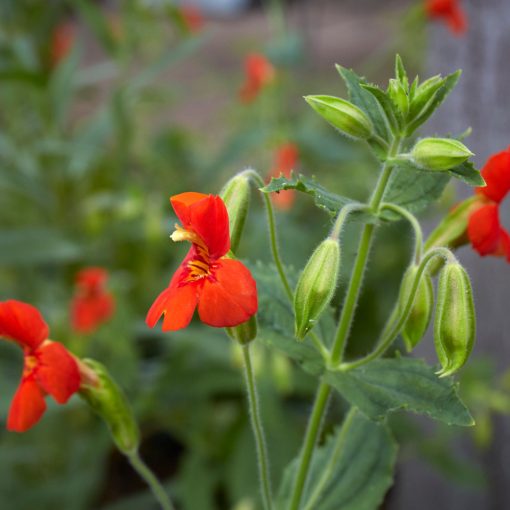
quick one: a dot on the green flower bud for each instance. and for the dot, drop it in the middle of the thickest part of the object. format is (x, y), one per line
(421, 311)
(343, 115)
(110, 403)
(439, 154)
(423, 94)
(244, 333)
(236, 195)
(316, 286)
(455, 321)
(398, 96)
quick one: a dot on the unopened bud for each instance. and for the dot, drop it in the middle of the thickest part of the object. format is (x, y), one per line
(316, 286)
(398, 96)
(455, 321)
(439, 154)
(236, 195)
(343, 115)
(421, 311)
(244, 333)
(110, 403)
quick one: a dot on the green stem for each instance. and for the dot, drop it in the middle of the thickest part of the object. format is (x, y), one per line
(418, 234)
(392, 333)
(344, 325)
(258, 431)
(150, 478)
(342, 216)
(328, 470)
(312, 432)
(273, 238)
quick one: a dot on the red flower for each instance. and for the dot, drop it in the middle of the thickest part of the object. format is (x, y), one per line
(49, 369)
(450, 12)
(92, 305)
(62, 41)
(259, 72)
(286, 159)
(192, 17)
(222, 288)
(485, 232)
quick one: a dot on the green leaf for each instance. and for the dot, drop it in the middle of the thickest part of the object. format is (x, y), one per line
(352, 470)
(434, 102)
(414, 190)
(276, 319)
(467, 173)
(387, 385)
(324, 199)
(386, 105)
(366, 101)
(400, 72)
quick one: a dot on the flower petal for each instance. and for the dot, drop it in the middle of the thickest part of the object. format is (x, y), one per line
(87, 312)
(27, 406)
(230, 298)
(181, 203)
(57, 372)
(504, 244)
(496, 173)
(23, 323)
(91, 277)
(484, 229)
(177, 302)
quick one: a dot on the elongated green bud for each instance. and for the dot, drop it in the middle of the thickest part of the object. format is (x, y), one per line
(343, 115)
(421, 311)
(398, 96)
(110, 403)
(236, 195)
(316, 286)
(439, 154)
(455, 320)
(244, 333)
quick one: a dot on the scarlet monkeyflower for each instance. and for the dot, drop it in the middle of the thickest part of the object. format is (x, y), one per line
(485, 232)
(192, 17)
(92, 304)
(259, 72)
(222, 288)
(62, 40)
(286, 159)
(49, 369)
(450, 12)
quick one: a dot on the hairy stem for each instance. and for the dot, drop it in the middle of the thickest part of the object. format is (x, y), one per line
(150, 478)
(258, 431)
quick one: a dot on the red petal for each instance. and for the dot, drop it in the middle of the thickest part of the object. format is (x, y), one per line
(496, 173)
(208, 218)
(88, 312)
(177, 302)
(27, 406)
(92, 277)
(57, 371)
(181, 203)
(23, 323)
(484, 229)
(230, 298)
(457, 20)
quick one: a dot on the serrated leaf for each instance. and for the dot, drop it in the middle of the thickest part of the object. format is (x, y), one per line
(386, 105)
(387, 385)
(352, 470)
(414, 190)
(436, 100)
(467, 173)
(365, 100)
(400, 72)
(276, 319)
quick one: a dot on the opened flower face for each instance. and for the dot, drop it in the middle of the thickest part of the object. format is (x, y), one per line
(286, 159)
(259, 72)
(49, 369)
(92, 304)
(450, 12)
(221, 288)
(485, 231)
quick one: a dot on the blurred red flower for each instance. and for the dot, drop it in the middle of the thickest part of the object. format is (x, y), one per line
(286, 160)
(259, 72)
(92, 304)
(192, 17)
(222, 288)
(485, 232)
(450, 12)
(62, 40)
(49, 369)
